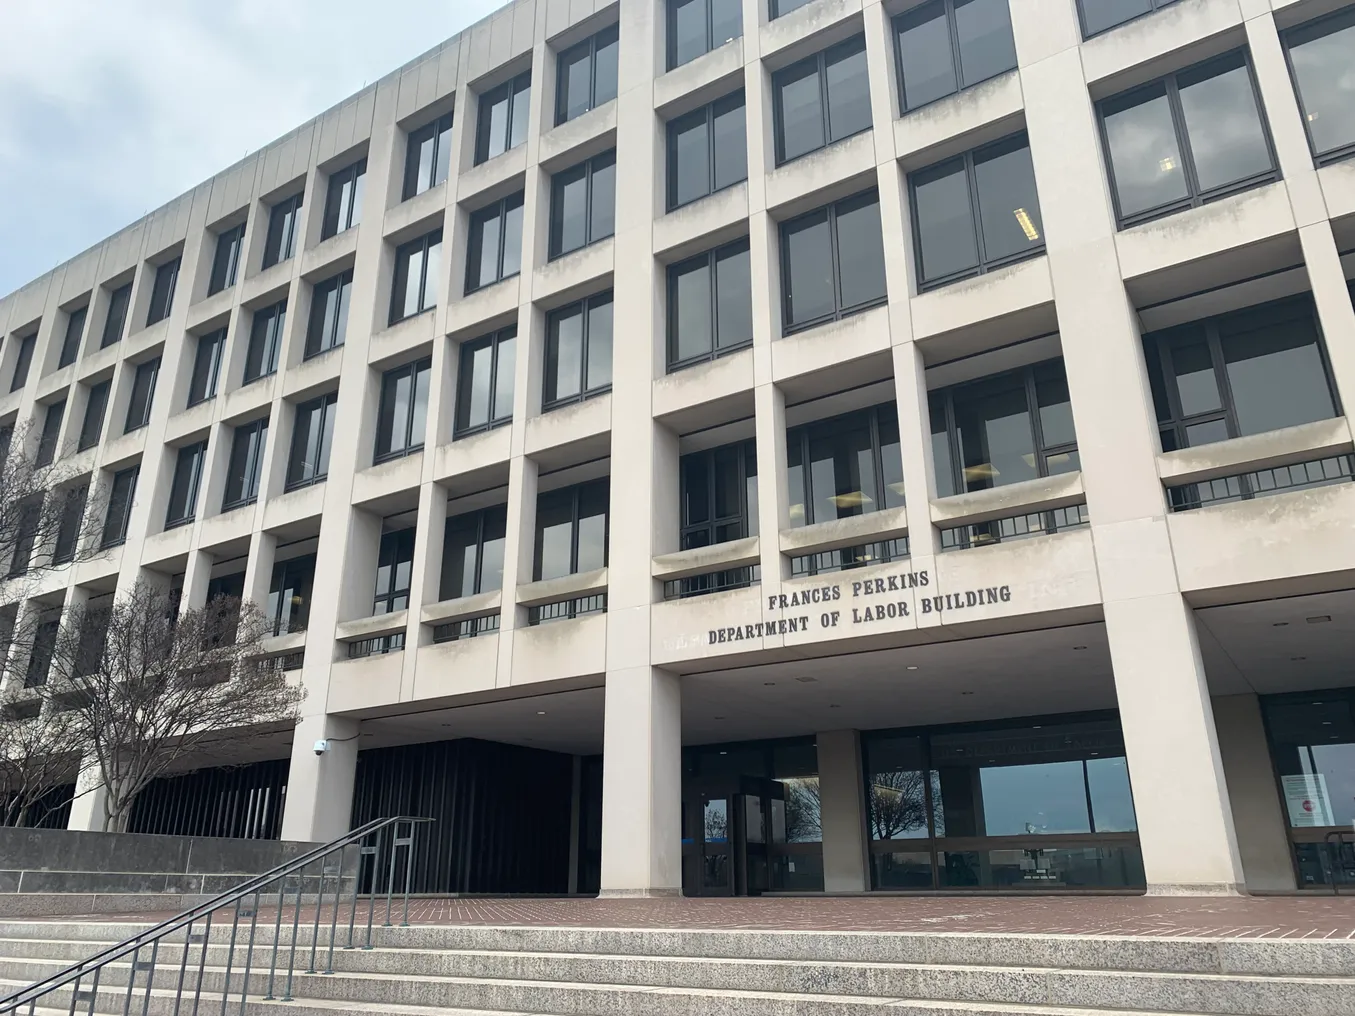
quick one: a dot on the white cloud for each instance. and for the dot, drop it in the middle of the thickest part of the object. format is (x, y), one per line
(109, 108)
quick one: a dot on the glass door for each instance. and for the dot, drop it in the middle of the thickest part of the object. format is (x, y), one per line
(716, 874)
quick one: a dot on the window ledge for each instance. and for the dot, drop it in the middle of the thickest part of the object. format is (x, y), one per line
(885, 524)
(702, 560)
(566, 587)
(462, 608)
(393, 623)
(280, 645)
(1317, 440)
(1044, 493)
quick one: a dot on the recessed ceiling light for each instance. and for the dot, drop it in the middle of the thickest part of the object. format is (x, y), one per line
(834, 707)
(719, 717)
(1280, 624)
(1037, 727)
(1295, 659)
(1320, 619)
(541, 712)
(912, 667)
(768, 684)
(1326, 723)
(966, 693)
(806, 680)
(724, 753)
(446, 724)
(1078, 648)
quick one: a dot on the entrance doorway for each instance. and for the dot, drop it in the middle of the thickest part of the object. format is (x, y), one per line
(739, 841)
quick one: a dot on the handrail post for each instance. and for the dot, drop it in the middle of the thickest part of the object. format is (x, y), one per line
(334, 917)
(409, 870)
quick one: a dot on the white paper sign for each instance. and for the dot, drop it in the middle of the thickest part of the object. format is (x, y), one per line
(1305, 796)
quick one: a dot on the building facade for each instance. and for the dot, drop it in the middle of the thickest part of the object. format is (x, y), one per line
(713, 446)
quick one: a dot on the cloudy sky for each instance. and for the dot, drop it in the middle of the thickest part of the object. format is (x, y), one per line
(109, 108)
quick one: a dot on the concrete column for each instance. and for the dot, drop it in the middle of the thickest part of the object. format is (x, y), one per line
(87, 810)
(1185, 821)
(842, 812)
(1334, 310)
(1258, 813)
(642, 784)
(320, 787)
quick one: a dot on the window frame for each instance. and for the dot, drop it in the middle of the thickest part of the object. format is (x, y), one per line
(324, 405)
(266, 334)
(23, 361)
(123, 519)
(233, 242)
(554, 241)
(197, 452)
(783, 242)
(466, 354)
(344, 219)
(414, 368)
(820, 59)
(670, 27)
(342, 284)
(712, 259)
(952, 29)
(251, 476)
(774, 10)
(162, 291)
(393, 546)
(585, 306)
(1157, 5)
(294, 573)
(70, 344)
(1027, 374)
(115, 321)
(86, 440)
(213, 344)
(576, 492)
(747, 455)
(50, 437)
(710, 112)
(985, 264)
(1195, 198)
(507, 89)
(1208, 327)
(481, 517)
(423, 245)
(71, 523)
(151, 368)
(284, 219)
(562, 64)
(410, 186)
(497, 210)
(1338, 20)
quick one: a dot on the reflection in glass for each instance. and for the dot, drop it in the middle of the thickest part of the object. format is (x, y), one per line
(924, 54)
(945, 221)
(798, 98)
(1323, 58)
(1099, 15)
(809, 256)
(1144, 155)
(984, 32)
(1227, 140)
(1009, 212)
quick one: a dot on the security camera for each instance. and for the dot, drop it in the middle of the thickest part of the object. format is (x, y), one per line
(321, 746)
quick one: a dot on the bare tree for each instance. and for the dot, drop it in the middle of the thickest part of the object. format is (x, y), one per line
(39, 752)
(898, 803)
(150, 687)
(804, 813)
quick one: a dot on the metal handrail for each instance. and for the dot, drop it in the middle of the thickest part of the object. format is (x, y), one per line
(1335, 840)
(369, 839)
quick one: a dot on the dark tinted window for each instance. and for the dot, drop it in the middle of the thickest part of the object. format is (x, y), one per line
(265, 340)
(696, 27)
(289, 594)
(75, 330)
(415, 286)
(183, 491)
(51, 434)
(312, 437)
(571, 530)
(1321, 55)
(586, 75)
(121, 500)
(472, 553)
(329, 313)
(343, 200)
(91, 428)
(779, 8)
(707, 150)
(946, 45)
(246, 464)
(71, 524)
(143, 393)
(832, 261)
(403, 411)
(118, 302)
(503, 118)
(484, 386)
(162, 292)
(394, 570)
(822, 99)
(1185, 140)
(1244, 373)
(976, 212)
(23, 360)
(494, 248)
(206, 367)
(1100, 15)
(719, 495)
(283, 222)
(583, 204)
(428, 156)
(226, 261)
(710, 305)
(578, 351)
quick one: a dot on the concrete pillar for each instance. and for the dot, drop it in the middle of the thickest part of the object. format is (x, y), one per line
(87, 809)
(1258, 813)
(320, 787)
(642, 784)
(842, 812)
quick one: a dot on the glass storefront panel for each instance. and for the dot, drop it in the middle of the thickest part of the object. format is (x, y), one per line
(1091, 867)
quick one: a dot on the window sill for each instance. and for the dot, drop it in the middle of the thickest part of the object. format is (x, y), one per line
(931, 285)
(307, 357)
(486, 286)
(462, 608)
(565, 587)
(695, 361)
(377, 626)
(179, 523)
(242, 503)
(200, 402)
(574, 400)
(553, 258)
(684, 564)
(1045, 493)
(395, 321)
(950, 95)
(1199, 200)
(1334, 156)
(783, 163)
(670, 209)
(403, 453)
(258, 377)
(112, 544)
(836, 534)
(843, 315)
(1318, 440)
(483, 428)
(303, 484)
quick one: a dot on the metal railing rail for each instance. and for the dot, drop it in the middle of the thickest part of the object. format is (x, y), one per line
(288, 879)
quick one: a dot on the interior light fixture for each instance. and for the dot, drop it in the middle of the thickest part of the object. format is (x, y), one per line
(1280, 624)
(1027, 226)
(541, 712)
(966, 693)
(719, 717)
(912, 666)
(1078, 649)
(1167, 164)
(1320, 619)
(806, 680)
(1296, 659)
(768, 684)
(851, 499)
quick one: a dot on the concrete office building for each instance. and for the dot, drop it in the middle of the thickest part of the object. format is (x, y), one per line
(691, 445)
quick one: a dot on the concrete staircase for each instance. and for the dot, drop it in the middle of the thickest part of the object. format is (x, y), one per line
(475, 971)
